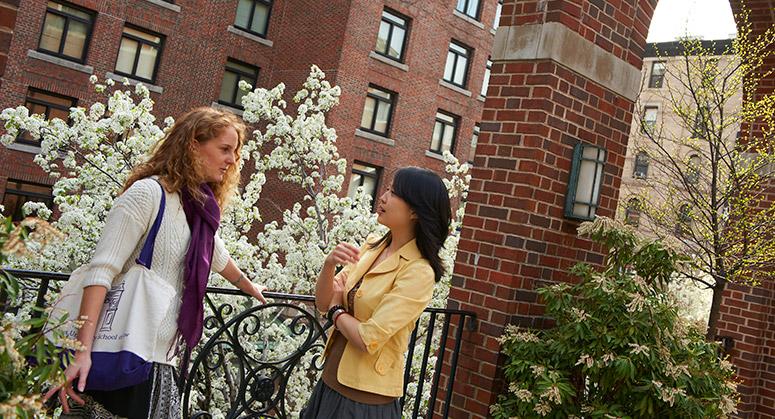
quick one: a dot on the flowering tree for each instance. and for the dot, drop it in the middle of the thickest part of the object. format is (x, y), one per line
(619, 348)
(711, 170)
(93, 154)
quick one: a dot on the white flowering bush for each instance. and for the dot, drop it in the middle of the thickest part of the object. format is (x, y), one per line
(619, 347)
(92, 155)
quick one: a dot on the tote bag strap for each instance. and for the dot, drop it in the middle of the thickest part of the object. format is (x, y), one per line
(146, 254)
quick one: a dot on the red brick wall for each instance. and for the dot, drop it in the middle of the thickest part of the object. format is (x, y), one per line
(420, 95)
(336, 36)
(747, 314)
(515, 238)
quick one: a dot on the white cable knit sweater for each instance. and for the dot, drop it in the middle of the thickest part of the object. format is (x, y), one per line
(125, 230)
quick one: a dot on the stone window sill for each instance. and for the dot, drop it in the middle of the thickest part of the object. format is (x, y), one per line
(164, 4)
(469, 19)
(388, 61)
(133, 82)
(26, 148)
(60, 61)
(245, 34)
(451, 86)
(434, 155)
(235, 111)
(374, 137)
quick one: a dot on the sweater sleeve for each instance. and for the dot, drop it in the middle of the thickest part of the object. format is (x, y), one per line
(126, 224)
(220, 255)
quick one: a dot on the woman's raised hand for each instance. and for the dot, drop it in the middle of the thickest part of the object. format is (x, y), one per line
(343, 254)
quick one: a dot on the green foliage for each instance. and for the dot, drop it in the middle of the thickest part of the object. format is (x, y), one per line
(25, 354)
(619, 347)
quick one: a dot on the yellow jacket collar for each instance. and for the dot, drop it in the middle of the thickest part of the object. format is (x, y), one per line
(409, 252)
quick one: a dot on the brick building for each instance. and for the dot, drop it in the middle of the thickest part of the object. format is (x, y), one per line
(411, 74)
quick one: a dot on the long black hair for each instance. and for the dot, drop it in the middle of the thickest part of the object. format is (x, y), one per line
(425, 193)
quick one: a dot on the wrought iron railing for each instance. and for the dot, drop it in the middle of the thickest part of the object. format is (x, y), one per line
(251, 356)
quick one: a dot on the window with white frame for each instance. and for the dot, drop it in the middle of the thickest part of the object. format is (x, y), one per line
(444, 132)
(139, 54)
(469, 8)
(66, 31)
(378, 110)
(253, 16)
(235, 72)
(486, 82)
(365, 176)
(456, 68)
(391, 38)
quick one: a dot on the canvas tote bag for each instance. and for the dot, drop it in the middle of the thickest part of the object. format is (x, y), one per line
(125, 338)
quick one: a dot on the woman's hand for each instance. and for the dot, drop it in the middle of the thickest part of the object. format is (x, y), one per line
(79, 368)
(258, 292)
(343, 254)
(338, 287)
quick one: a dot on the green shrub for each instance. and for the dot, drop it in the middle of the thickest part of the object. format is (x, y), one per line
(28, 361)
(619, 348)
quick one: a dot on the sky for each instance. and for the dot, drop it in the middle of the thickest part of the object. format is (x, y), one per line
(708, 19)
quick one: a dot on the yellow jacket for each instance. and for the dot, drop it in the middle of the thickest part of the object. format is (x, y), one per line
(388, 303)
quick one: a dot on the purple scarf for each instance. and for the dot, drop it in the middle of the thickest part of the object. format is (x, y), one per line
(203, 220)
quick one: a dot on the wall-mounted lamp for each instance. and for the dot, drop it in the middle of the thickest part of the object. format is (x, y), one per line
(586, 178)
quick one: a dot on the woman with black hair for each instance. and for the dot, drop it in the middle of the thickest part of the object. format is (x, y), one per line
(375, 301)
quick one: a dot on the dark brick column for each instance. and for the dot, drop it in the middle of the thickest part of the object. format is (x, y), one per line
(747, 314)
(564, 72)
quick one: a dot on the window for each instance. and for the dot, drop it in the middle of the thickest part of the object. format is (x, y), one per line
(486, 82)
(66, 31)
(366, 176)
(391, 38)
(649, 119)
(138, 56)
(683, 225)
(253, 16)
(693, 169)
(231, 95)
(474, 141)
(378, 110)
(632, 212)
(456, 69)
(50, 105)
(701, 122)
(498, 11)
(444, 133)
(469, 8)
(17, 193)
(641, 169)
(657, 74)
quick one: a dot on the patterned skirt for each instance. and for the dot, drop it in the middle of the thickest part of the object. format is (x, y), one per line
(157, 398)
(325, 403)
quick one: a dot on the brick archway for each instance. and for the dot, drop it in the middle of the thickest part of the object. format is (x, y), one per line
(564, 71)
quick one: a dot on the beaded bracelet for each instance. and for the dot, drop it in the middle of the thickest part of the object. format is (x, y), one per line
(337, 314)
(332, 310)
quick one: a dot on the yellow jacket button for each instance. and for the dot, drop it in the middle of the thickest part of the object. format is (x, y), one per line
(359, 293)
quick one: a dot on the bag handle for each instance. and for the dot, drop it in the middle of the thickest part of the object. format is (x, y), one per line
(146, 254)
